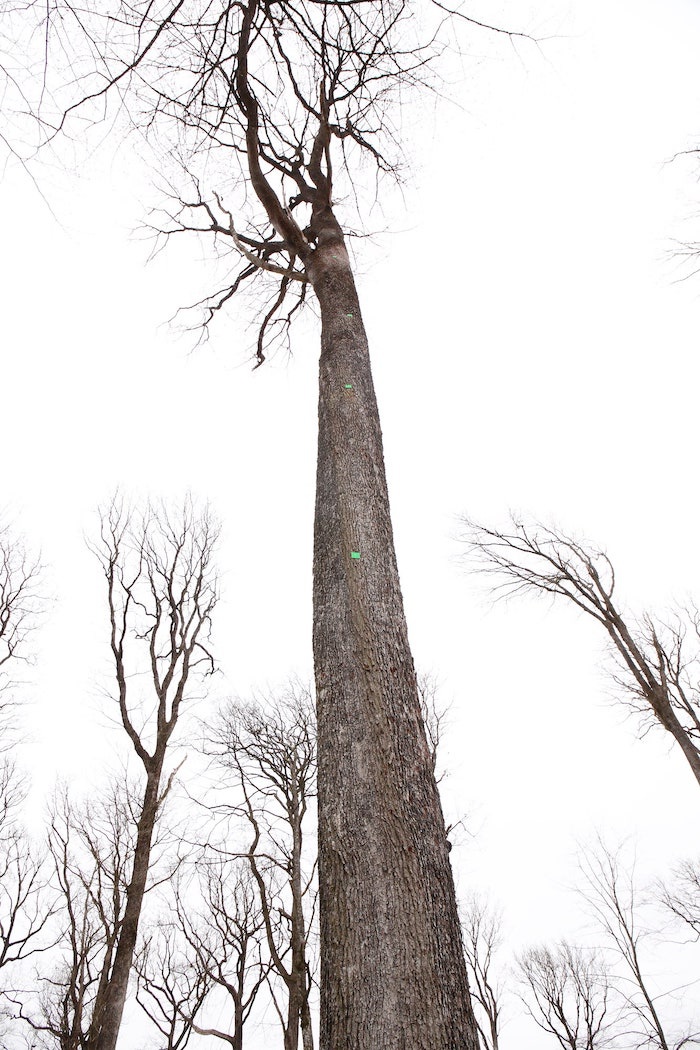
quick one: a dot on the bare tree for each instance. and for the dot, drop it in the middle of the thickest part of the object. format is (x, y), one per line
(220, 943)
(26, 906)
(681, 896)
(172, 986)
(91, 846)
(161, 591)
(657, 660)
(24, 914)
(19, 604)
(481, 926)
(270, 750)
(298, 94)
(612, 896)
(25, 909)
(434, 712)
(567, 992)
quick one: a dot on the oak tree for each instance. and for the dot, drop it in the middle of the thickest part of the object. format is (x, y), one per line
(294, 99)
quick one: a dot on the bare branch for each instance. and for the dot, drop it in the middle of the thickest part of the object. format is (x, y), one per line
(682, 896)
(20, 574)
(657, 660)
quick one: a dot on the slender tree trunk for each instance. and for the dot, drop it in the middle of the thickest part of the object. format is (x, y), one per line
(655, 691)
(297, 984)
(291, 1031)
(110, 1012)
(307, 1034)
(237, 1041)
(393, 974)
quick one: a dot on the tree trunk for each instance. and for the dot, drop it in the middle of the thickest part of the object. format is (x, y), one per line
(393, 974)
(239, 1021)
(307, 1034)
(110, 1012)
(297, 985)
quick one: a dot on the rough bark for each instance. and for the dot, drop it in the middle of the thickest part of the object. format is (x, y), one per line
(392, 969)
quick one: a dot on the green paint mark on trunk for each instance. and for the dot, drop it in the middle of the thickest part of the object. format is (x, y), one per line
(355, 555)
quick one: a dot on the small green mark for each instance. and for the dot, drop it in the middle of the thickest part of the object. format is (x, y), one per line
(348, 386)
(355, 555)
(349, 315)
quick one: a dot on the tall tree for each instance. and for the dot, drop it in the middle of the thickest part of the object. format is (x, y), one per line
(161, 591)
(294, 95)
(656, 659)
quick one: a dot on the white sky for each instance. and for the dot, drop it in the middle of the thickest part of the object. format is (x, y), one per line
(531, 349)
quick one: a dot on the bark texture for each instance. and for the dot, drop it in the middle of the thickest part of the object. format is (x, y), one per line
(393, 974)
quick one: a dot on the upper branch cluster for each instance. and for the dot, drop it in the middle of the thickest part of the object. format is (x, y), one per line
(161, 590)
(283, 99)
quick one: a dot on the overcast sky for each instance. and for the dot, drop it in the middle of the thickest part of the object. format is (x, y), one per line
(533, 349)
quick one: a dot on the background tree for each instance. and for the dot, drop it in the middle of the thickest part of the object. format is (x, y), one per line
(19, 606)
(481, 926)
(298, 93)
(215, 945)
(26, 905)
(161, 591)
(567, 993)
(269, 753)
(25, 909)
(434, 712)
(611, 893)
(681, 896)
(172, 986)
(656, 660)
(91, 847)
